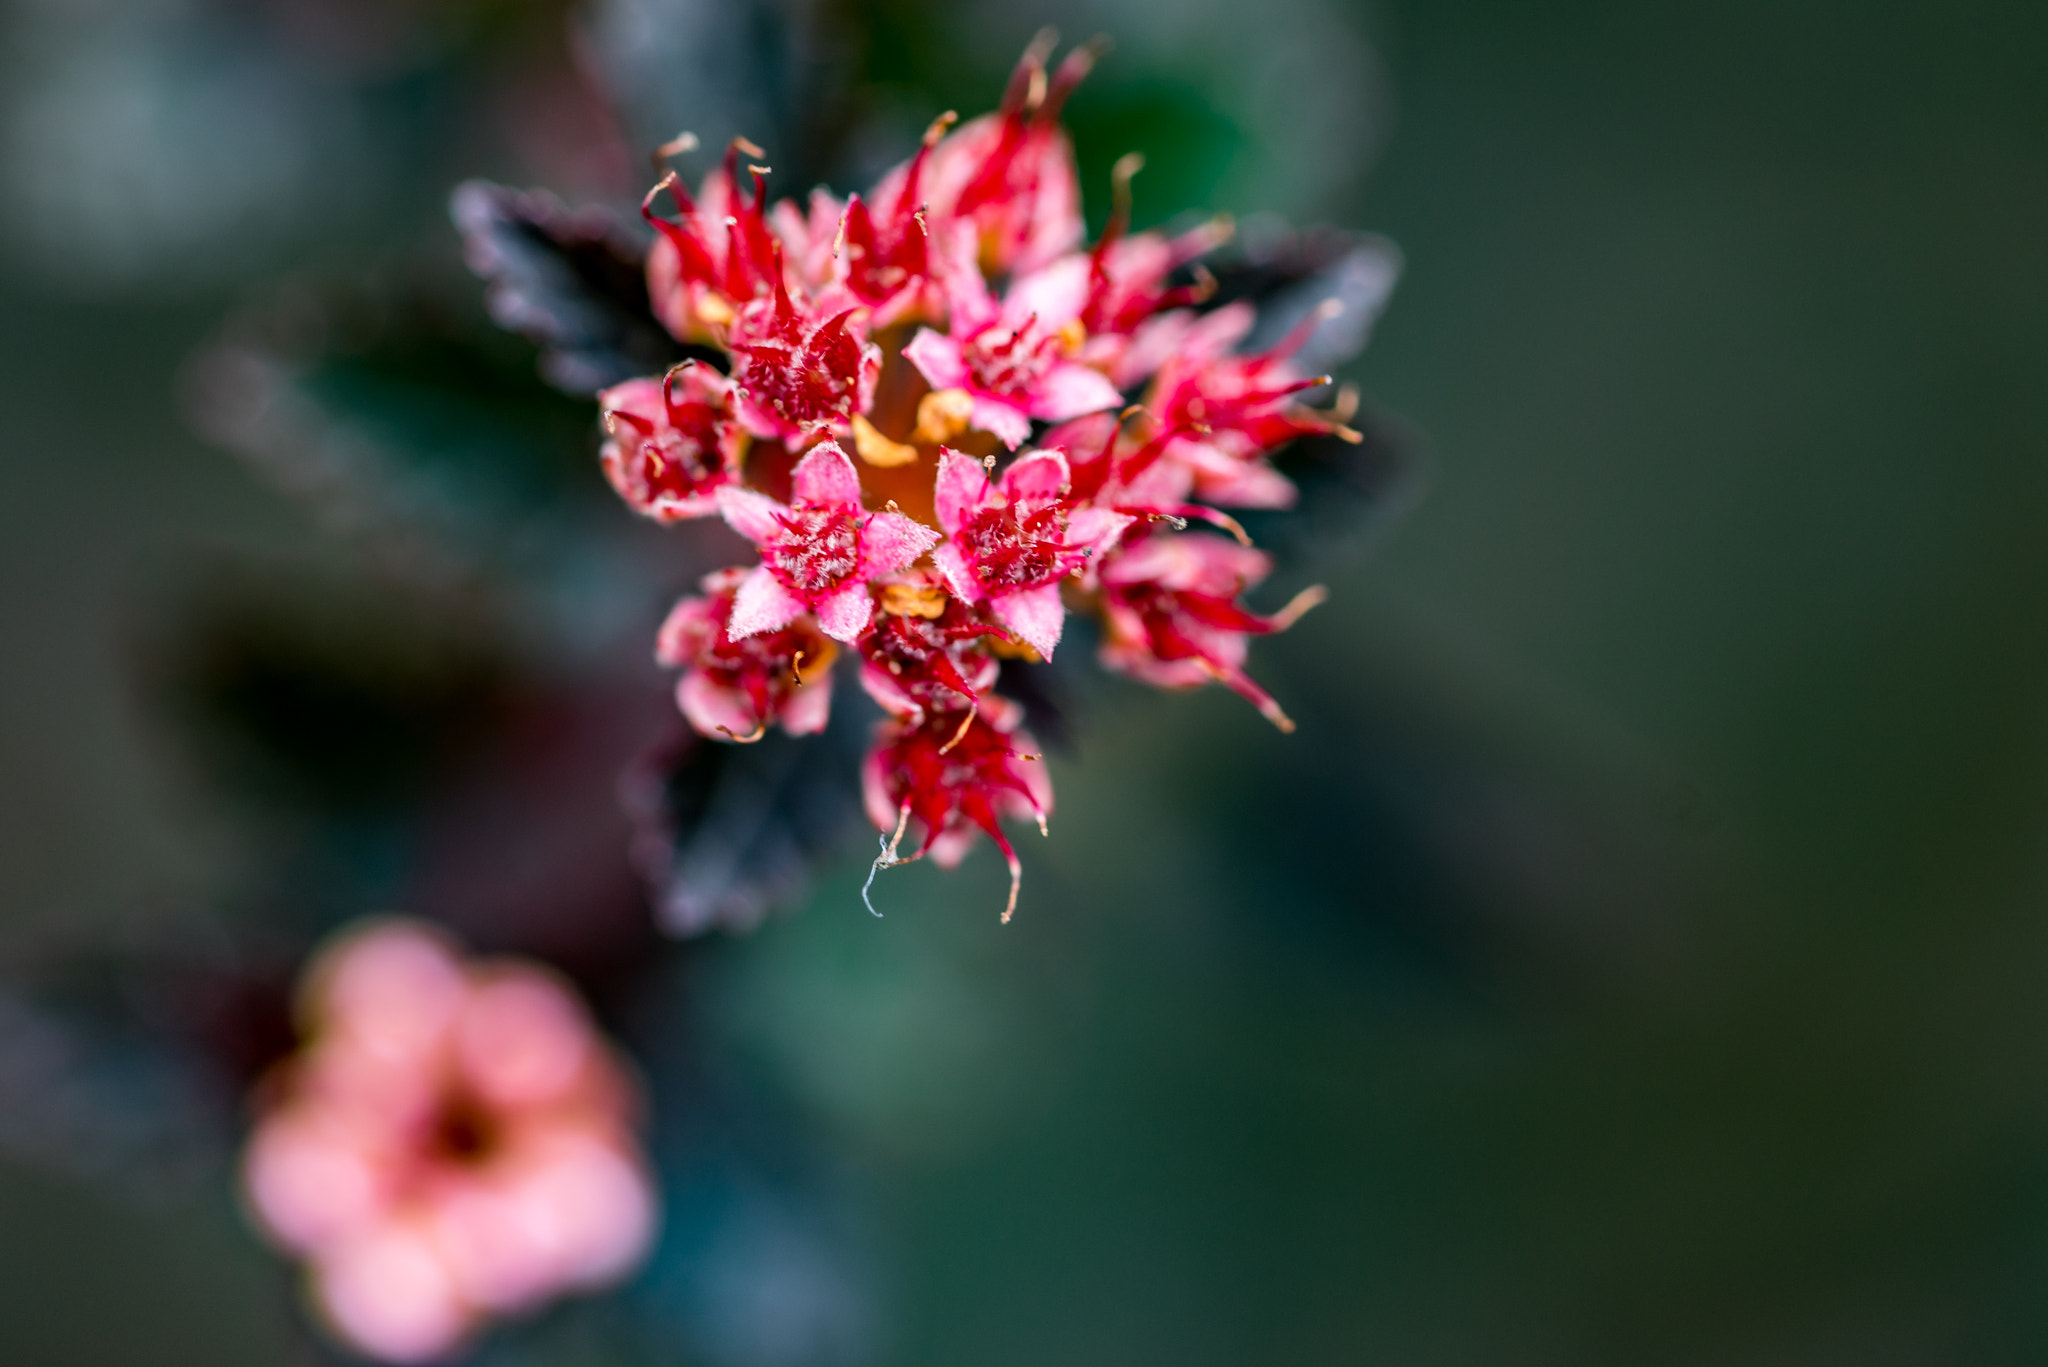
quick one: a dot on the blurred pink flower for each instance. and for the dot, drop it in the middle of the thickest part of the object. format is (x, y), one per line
(453, 1143)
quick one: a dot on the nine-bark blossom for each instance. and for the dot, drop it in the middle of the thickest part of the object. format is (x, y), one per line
(671, 443)
(820, 552)
(453, 1143)
(948, 317)
(738, 688)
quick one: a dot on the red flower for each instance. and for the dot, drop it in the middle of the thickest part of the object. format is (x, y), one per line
(925, 653)
(738, 688)
(956, 774)
(799, 377)
(717, 256)
(1172, 618)
(1230, 410)
(1010, 543)
(819, 553)
(977, 238)
(672, 442)
(1010, 174)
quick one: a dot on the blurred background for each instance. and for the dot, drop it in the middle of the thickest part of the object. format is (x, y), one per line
(1636, 956)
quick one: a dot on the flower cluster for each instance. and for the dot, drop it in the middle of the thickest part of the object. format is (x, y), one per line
(883, 357)
(452, 1144)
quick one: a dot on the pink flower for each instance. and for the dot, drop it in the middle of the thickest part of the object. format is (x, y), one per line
(956, 774)
(452, 1144)
(738, 688)
(1010, 543)
(672, 442)
(819, 553)
(1014, 361)
(1172, 618)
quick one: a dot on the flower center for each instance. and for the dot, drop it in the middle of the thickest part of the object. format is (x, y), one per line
(463, 1134)
(1006, 362)
(1013, 551)
(821, 547)
(675, 460)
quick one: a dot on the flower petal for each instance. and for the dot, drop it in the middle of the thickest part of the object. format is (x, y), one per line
(959, 577)
(1036, 615)
(1011, 425)
(762, 604)
(808, 708)
(826, 475)
(890, 541)
(1052, 294)
(751, 514)
(937, 357)
(1096, 528)
(709, 706)
(844, 615)
(960, 489)
(1040, 475)
(1070, 389)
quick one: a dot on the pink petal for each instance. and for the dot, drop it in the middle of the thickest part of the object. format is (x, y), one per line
(1162, 560)
(844, 615)
(959, 577)
(890, 541)
(762, 604)
(961, 489)
(1070, 389)
(709, 706)
(1042, 474)
(690, 623)
(1218, 333)
(641, 398)
(1096, 528)
(1011, 425)
(826, 476)
(808, 709)
(1036, 615)
(391, 1295)
(1250, 485)
(888, 692)
(1053, 294)
(937, 358)
(751, 514)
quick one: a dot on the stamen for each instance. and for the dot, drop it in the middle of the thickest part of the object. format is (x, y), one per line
(748, 147)
(965, 722)
(1312, 596)
(685, 141)
(760, 730)
(888, 857)
(937, 128)
(796, 669)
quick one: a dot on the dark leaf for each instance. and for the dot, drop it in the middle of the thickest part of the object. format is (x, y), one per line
(1348, 490)
(570, 280)
(737, 831)
(1287, 274)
